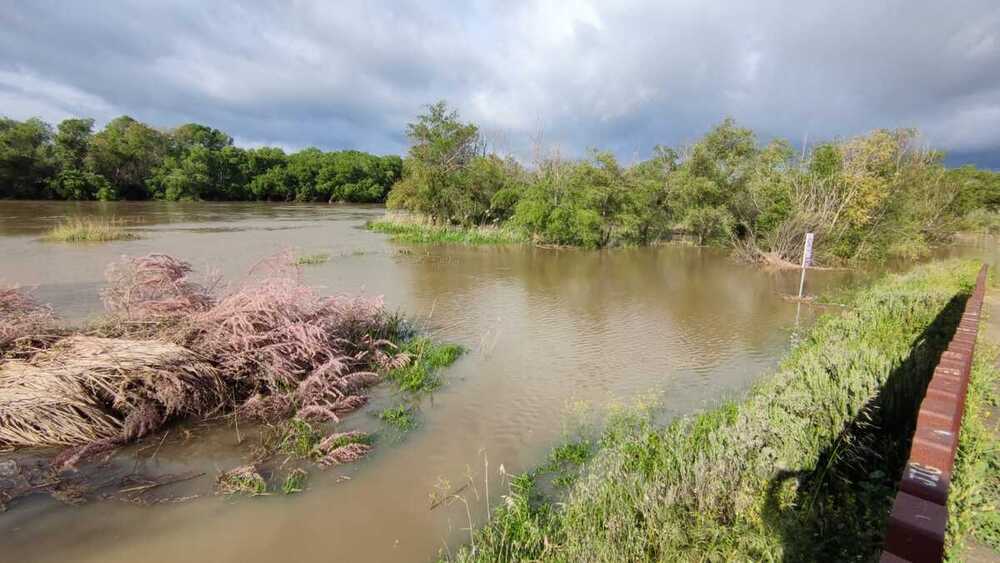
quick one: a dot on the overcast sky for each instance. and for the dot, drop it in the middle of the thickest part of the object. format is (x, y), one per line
(619, 75)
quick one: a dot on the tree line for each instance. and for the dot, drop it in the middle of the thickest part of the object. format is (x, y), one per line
(129, 159)
(873, 196)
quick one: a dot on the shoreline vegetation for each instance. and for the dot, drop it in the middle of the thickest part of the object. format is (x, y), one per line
(804, 467)
(415, 230)
(268, 352)
(866, 198)
(131, 160)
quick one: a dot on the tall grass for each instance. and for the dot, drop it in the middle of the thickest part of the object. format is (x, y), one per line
(803, 468)
(402, 229)
(89, 230)
(974, 498)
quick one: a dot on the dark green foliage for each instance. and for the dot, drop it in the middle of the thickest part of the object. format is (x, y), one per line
(131, 160)
(26, 157)
(866, 198)
(448, 177)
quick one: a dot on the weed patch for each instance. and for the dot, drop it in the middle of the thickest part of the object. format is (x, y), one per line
(245, 480)
(295, 481)
(423, 233)
(89, 230)
(400, 417)
(427, 359)
(312, 259)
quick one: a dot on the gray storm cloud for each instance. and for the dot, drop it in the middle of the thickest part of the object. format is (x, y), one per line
(625, 76)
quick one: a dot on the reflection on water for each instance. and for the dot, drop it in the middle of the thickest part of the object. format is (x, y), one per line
(545, 328)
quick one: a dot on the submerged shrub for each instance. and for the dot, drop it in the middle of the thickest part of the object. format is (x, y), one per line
(399, 417)
(295, 481)
(89, 230)
(270, 348)
(244, 480)
(421, 373)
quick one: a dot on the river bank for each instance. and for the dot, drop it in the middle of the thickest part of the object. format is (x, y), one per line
(803, 467)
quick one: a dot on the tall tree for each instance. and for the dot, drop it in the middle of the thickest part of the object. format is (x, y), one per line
(126, 152)
(26, 159)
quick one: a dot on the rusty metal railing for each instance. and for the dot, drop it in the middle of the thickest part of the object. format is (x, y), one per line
(919, 516)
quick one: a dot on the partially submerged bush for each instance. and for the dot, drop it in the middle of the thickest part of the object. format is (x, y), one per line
(284, 349)
(399, 417)
(89, 230)
(312, 259)
(298, 439)
(295, 481)
(269, 348)
(426, 358)
(244, 480)
(410, 230)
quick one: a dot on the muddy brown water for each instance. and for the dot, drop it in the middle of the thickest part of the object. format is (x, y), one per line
(546, 330)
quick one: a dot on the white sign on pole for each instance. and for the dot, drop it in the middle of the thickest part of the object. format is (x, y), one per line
(807, 257)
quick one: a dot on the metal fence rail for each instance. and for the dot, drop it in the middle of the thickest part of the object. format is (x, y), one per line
(919, 515)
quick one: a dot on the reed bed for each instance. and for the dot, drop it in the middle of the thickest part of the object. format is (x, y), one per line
(89, 230)
(803, 468)
(409, 229)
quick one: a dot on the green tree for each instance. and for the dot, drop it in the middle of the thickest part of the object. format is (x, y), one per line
(72, 142)
(436, 173)
(126, 152)
(26, 158)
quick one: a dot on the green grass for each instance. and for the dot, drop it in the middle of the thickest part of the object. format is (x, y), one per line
(312, 259)
(296, 437)
(400, 417)
(803, 468)
(351, 439)
(974, 498)
(422, 233)
(89, 230)
(423, 372)
(295, 481)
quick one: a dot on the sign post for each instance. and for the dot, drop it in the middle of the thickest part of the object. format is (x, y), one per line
(806, 261)
(807, 254)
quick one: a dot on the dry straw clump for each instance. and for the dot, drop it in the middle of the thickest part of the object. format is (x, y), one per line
(269, 348)
(86, 389)
(24, 323)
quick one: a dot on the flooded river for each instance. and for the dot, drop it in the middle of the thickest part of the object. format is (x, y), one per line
(545, 329)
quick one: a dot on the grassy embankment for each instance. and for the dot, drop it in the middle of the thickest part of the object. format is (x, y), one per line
(403, 229)
(974, 499)
(89, 230)
(803, 468)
